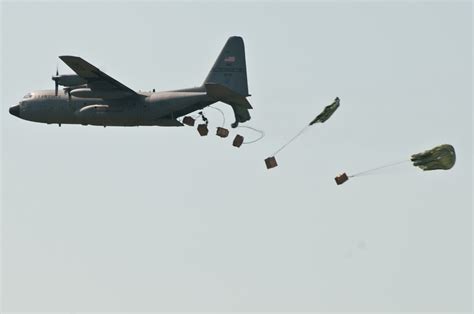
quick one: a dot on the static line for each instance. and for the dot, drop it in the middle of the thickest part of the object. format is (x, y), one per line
(222, 113)
(365, 172)
(294, 138)
(262, 134)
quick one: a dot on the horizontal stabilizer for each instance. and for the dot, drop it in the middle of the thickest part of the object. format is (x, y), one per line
(226, 95)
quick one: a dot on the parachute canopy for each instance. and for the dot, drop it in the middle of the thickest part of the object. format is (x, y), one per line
(327, 112)
(441, 157)
(322, 117)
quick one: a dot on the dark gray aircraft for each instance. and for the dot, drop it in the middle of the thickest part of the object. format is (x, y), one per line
(92, 97)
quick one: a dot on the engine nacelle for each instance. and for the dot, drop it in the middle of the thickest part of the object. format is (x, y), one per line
(69, 80)
(89, 93)
(83, 93)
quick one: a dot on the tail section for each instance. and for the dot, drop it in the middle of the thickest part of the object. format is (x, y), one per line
(227, 81)
(230, 69)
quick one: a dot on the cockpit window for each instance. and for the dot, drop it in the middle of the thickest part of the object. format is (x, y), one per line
(29, 95)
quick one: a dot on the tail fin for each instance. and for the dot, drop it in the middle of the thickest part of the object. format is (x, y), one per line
(230, 69)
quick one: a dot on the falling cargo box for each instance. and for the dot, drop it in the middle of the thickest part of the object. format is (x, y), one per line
(202, 129)
(222, 132)
(340, 179)
(238, 140)
(188, 121)
(271, 162)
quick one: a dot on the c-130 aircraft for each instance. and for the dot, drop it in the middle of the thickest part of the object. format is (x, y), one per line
(91, 97)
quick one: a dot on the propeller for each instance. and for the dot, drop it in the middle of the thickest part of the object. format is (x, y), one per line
(55, 79)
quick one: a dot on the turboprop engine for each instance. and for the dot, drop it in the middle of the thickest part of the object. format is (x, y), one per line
(85, 92)
(67, 80)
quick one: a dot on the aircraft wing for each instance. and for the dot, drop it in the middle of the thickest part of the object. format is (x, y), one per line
(97, 80)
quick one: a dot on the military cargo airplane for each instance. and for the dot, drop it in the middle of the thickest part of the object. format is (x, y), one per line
(91, 97)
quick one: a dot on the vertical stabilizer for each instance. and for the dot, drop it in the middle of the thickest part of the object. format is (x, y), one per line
(230, 69)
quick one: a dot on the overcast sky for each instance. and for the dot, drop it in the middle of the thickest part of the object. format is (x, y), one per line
(160, 219)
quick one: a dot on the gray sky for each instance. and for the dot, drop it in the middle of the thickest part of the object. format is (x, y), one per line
(159, 219)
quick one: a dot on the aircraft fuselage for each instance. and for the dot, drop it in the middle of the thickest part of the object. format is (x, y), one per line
(160, 108)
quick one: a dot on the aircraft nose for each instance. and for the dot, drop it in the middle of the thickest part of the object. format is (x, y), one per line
(15, 110)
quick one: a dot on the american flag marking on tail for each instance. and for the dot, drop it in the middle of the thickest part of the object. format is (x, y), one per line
(229, 59)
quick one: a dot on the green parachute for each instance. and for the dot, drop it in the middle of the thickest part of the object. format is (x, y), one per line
(442, 157)
(328, 111)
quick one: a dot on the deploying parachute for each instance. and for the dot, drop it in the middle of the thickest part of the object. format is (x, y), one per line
(442, 157)
(328, 111)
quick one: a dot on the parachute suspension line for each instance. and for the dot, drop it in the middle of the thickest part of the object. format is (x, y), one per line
(222, 113)
(262, 134)
(292, 139)
(366, 172)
